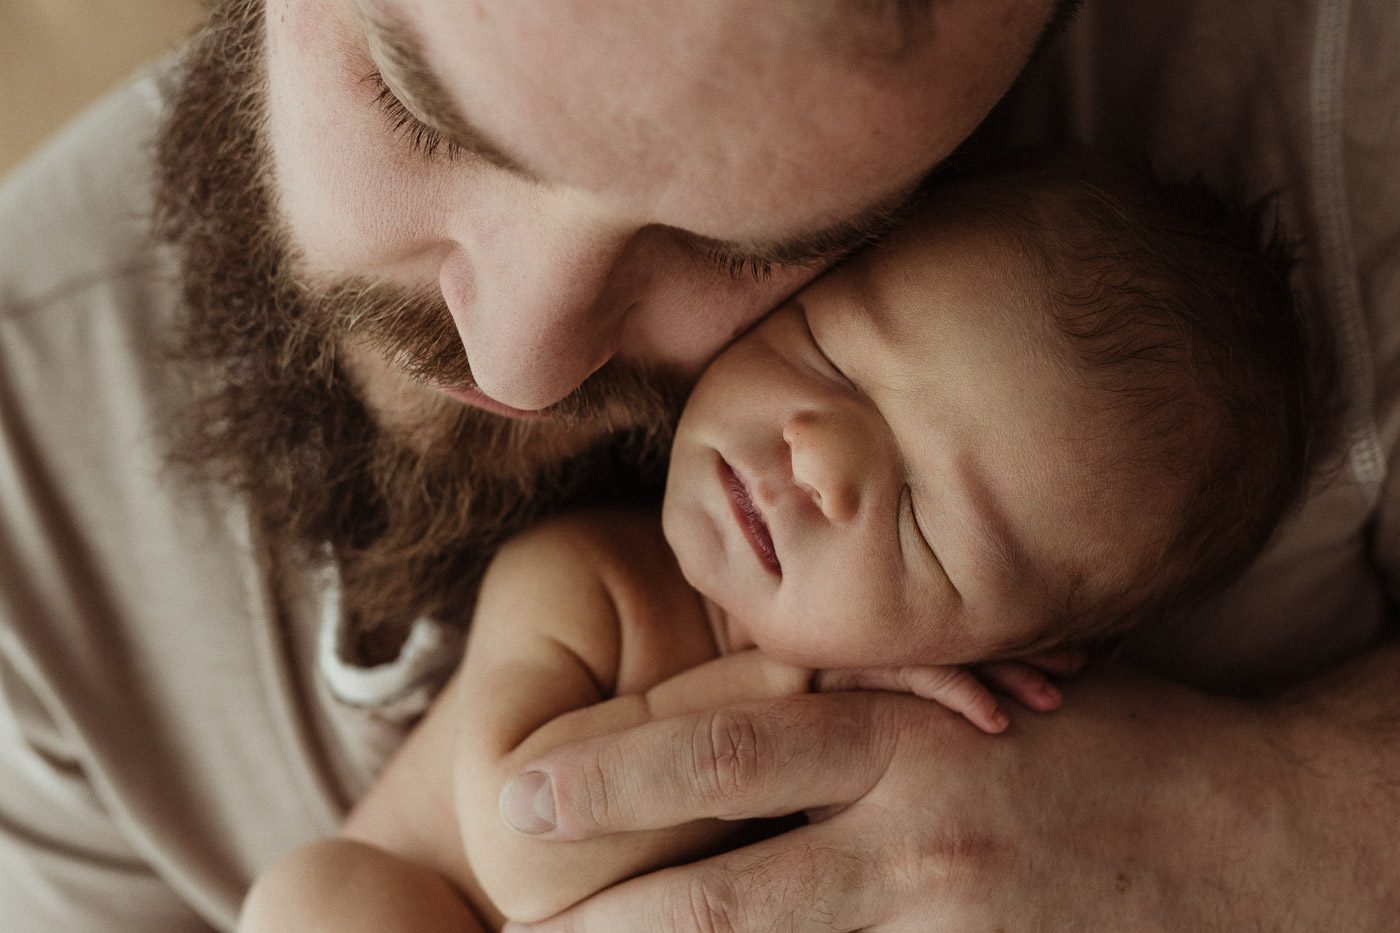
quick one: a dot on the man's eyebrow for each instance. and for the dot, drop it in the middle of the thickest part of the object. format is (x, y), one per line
(414, 80)
(825, 245)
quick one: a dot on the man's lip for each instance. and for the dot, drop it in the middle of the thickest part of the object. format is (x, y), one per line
(750, 520)
(478, 399)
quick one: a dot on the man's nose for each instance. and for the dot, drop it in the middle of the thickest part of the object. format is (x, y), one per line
(540, 302)
(826, 462)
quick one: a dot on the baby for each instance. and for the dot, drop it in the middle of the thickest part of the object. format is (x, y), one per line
(1058, 402)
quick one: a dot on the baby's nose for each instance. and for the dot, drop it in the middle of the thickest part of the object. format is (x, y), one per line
(824, 464)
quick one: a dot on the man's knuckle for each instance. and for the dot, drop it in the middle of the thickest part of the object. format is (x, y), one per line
(598, 795)
(727, 754)
(963, 865)
(702, 905)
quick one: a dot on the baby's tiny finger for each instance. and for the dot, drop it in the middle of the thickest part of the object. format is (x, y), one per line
(1061, 662)
(1023, 683)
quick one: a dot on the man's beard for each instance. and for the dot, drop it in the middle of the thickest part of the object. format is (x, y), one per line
(410, 513)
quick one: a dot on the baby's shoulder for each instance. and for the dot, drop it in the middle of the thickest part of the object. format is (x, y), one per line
(631, 612)
(620, 548)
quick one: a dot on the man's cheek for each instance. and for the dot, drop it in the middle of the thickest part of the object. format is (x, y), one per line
(707, 308)
(338, 215)
(344, 185)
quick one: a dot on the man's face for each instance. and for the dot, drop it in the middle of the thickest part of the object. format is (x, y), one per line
(580, 181)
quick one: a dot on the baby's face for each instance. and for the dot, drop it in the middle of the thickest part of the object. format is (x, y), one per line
(883, 470)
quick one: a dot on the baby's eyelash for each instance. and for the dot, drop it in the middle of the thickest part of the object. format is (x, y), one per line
(422, 138)
(906, 503)
(821, 352)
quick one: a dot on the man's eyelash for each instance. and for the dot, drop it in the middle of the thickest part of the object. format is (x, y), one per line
(421, 137)
(740, 266)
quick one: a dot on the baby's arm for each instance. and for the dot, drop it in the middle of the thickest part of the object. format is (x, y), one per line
(347, 886)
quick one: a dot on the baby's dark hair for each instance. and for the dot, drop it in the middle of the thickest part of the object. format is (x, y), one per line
(1176, 305)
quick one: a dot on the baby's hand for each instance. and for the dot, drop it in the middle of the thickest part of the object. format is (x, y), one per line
(968, 690)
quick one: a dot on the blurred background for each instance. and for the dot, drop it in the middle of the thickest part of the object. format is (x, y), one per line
(58, 56)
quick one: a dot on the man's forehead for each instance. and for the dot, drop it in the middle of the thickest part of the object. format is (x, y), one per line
(724, 107)
(870, 28)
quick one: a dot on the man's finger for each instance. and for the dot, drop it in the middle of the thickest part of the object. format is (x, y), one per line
(739, 762)
(798, 881)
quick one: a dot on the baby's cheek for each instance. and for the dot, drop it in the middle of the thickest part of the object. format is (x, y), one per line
(869, 623)
(819, 624)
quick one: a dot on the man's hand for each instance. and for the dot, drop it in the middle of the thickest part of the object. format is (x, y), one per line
(1140, 806)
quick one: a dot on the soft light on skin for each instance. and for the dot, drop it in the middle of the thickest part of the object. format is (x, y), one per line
(649, 130)
(919, 445)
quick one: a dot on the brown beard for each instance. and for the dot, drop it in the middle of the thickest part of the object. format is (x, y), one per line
(410, 515)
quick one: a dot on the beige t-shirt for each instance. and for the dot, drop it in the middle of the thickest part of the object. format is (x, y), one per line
(165, 726)
(164, 732)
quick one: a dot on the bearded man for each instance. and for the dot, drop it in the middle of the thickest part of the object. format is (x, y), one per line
(294, 333)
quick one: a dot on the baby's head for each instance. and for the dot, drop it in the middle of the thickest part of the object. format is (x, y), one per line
(1058, 402)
